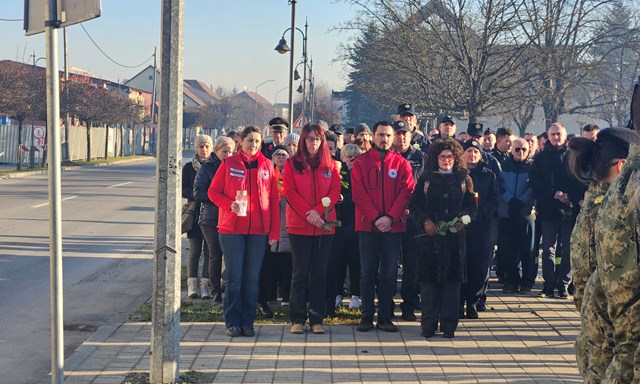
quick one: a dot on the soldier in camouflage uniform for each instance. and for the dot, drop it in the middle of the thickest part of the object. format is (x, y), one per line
(598, 162)
(617, 257)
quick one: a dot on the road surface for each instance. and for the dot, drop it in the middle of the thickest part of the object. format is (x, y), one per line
(108, 215)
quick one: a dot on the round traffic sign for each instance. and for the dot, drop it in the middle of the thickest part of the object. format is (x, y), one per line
(38, 132)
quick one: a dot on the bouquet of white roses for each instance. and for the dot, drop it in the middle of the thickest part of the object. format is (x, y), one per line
(326, 202)
(453, 226)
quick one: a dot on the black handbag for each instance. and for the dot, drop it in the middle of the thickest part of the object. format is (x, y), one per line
(188, 216)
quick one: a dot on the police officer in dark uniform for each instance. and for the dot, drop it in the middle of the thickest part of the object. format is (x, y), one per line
(410, 288)
(279, 127)
(475, 130)
(408, 116)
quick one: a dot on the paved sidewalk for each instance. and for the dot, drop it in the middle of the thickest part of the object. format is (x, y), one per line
(520, 339)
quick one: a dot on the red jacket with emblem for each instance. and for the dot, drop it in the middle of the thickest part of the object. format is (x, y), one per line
(303, 192)
(256, 176)
(381, 187)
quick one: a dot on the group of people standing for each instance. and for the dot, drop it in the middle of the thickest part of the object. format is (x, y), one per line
(302, 210)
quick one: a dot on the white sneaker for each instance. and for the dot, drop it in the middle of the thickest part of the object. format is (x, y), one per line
(192, 287)
(355, 302)
(338, 301)
(205, 292)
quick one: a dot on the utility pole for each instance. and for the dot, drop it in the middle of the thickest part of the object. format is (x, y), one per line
(165, 331)
(55, 194)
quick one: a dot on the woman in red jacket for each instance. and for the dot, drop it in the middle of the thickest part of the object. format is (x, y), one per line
(312, 188)
(246, 192)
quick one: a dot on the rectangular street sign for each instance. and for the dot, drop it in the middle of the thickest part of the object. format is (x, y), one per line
(69, 12)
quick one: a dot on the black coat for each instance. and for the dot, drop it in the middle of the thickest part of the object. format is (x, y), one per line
(346, 210)
(208, 210)
(486, 186)
(442, 259)
(549, 174)
(188, 178)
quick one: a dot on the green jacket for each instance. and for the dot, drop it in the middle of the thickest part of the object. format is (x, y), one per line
(616, 234)
(583, 247)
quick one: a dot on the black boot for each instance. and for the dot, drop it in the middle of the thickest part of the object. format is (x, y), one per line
(267, 313)
(471, 312)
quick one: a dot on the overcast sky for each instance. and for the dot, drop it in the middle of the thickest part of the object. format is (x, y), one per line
(227, 42)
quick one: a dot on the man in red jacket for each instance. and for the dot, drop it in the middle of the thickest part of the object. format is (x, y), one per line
(382, 184)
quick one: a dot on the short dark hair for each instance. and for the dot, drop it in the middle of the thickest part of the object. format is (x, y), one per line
(543, 134)
(503, 132)
(383, 123)
(590, 128)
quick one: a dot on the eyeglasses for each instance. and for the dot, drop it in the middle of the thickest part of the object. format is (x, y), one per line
(447, 157)
(313, 139)
(520, 149)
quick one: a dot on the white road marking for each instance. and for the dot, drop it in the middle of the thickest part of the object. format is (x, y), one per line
(120, 185)
(47, 203)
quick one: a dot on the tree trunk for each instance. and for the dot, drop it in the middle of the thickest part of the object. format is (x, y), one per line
(45, 147)
(19, 157)
(88, 141)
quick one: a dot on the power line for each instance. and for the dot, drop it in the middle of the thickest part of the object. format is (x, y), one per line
(11, 20)
(107, 56)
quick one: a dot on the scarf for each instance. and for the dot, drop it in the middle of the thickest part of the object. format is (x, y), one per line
(197, 162)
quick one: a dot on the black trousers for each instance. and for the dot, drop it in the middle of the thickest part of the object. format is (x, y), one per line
(519, 244)
(215, 256)
(409, 289)
(308, 282)
(345, 252)
(440, 302)
(479, 255)
(275, 274)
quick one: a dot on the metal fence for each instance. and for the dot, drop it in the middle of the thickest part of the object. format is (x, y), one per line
(128, 140)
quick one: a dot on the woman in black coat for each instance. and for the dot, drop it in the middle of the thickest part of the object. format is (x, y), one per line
(479, 244)
(204, 146)
(208, 218)
(442, 204)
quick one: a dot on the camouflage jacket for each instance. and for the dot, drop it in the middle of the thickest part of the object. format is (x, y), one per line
(583, 255)
(616, 235)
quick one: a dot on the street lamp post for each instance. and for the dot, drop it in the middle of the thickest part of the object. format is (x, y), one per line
(256, 98)
(283, 48)
(275, 102)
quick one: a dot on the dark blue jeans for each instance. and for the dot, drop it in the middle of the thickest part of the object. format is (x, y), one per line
(556, 233)
(243, 256)
(379, 255)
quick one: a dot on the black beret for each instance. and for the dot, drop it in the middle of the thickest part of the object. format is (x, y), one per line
(401, 126)
(278, 124)
(472, 143)
(621, 137)
(405, 109)
(474, 129)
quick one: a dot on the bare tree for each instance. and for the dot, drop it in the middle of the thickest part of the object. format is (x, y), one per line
(22, 95)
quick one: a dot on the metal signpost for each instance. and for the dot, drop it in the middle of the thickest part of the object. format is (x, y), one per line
(45, 16)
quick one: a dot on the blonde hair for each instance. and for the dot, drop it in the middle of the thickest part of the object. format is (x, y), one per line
(223, 141)
(350, 150)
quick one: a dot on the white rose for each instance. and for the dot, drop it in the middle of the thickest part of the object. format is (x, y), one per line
(465, 219)
(326, 201)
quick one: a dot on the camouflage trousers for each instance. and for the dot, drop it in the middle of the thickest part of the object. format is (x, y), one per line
(594, 343)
